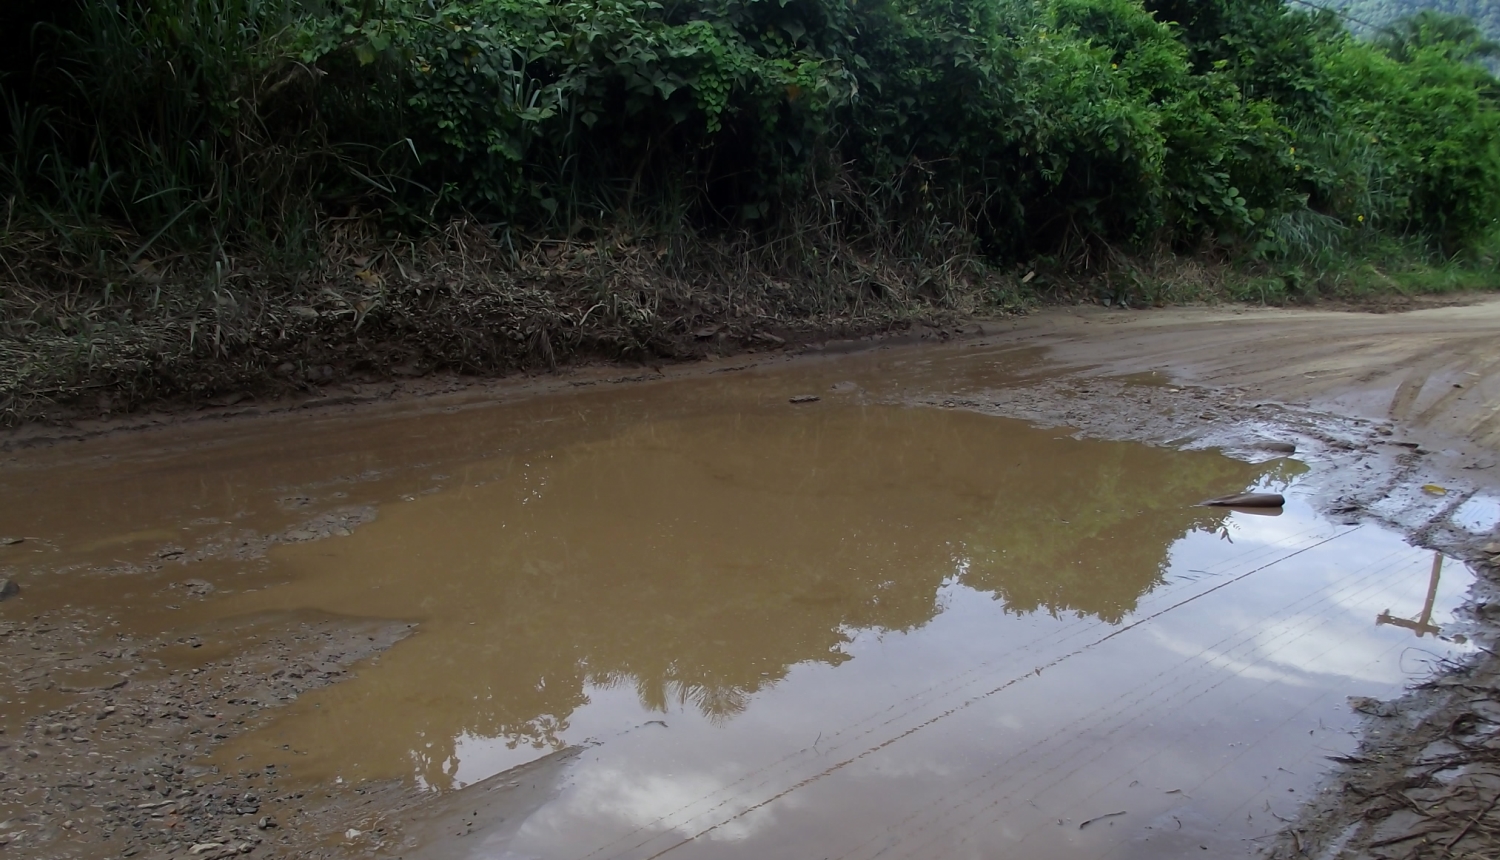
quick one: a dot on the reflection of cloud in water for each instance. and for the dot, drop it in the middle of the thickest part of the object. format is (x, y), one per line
(1357, 575)
(634, 799)
(1248, 666)
(1332, 645)
(1362, 557)
(696, 561)
(1236, 690)
(1479, 515)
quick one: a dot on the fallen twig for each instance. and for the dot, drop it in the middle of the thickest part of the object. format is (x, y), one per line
(1415, 834)
(1473, 821)
(1100, 818)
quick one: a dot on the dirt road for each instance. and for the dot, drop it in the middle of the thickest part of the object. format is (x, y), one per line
(183, 665)
(1434, 372)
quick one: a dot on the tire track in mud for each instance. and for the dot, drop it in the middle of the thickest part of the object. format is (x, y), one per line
(1384, 368)
(954, 709)
(976, 676)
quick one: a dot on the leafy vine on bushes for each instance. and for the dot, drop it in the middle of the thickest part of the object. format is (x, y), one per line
(1034, 126)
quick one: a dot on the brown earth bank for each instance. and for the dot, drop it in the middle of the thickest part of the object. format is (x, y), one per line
(109, 719)
(75, 341)
(364, 318)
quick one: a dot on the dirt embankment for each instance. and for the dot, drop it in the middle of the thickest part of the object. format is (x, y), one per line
(1382, 404)
(366, 315)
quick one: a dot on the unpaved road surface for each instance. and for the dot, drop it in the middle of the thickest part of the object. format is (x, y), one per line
(1430, 371)
(783, 605)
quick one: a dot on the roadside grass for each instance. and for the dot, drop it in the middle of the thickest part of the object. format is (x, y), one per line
(88, 327)
(1373, 268)
(1361, 281)
(1425, 280)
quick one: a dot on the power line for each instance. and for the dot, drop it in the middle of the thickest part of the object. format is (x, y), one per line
(1345, 15)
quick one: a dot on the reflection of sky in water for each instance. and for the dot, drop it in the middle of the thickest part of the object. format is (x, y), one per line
(698, 562)
(841, 631)
(851, 632)
(1332, 637)
(1225, 687)
(1479, 515)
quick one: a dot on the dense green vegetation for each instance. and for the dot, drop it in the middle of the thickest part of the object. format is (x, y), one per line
(910, 148)
(1034, 125)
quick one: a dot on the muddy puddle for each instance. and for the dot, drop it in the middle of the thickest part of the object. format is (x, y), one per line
(694, 619)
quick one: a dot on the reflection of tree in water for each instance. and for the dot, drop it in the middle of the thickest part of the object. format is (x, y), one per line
(718, 703)
(1095, 547)
(435, 760)
(697, 562)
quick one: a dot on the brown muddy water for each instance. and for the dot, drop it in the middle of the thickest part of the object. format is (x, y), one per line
(717, 624)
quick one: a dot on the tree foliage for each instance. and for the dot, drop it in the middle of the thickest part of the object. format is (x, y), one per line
(1029, 126)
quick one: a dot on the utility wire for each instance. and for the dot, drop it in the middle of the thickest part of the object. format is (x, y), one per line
(1345, 15)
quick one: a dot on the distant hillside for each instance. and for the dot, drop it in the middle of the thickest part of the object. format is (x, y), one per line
(1367, 14)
